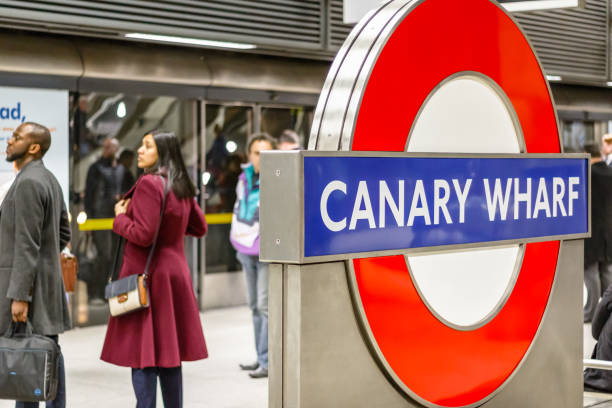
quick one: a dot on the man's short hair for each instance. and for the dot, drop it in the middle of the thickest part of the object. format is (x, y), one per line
(126, 153)
(258, 137)
(593, 149)
(289, 136)
(39, 135)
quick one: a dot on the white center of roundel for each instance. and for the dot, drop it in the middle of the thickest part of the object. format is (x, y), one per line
(466, 114)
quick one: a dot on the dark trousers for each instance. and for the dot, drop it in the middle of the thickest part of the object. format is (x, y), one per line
(144, 381)
(597, 278)
(60, 397)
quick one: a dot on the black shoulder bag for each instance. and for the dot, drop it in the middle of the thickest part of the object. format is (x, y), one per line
(29, 364)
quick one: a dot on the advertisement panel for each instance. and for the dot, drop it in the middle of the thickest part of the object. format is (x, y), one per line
(47, 107)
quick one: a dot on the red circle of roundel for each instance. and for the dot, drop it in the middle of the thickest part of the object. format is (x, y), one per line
(438, 38)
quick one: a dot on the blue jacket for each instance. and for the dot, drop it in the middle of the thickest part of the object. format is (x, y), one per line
(244, 234)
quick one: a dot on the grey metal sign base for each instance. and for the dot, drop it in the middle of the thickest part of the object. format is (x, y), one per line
(320, 358)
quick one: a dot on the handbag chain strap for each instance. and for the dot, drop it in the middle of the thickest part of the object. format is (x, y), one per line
(152, 251)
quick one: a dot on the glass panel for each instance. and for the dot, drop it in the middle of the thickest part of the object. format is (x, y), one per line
(227, 131)
(276, 120)
(580, 136)
(106, 131)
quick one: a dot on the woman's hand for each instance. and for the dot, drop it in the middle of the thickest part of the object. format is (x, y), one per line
(121, 206)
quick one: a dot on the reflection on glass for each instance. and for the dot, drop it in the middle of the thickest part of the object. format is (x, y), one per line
(275, 121)
(106, 131)
(583, 136)
(228, 128)
(227, 131)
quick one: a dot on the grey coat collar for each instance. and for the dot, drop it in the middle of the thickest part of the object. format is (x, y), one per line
(34, 164)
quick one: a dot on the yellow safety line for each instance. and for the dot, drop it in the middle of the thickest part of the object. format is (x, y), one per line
(97, 224)
(221, 218)
(105, 224)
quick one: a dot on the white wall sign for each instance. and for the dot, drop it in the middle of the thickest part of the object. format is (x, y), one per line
(354, 10)
(43, 106)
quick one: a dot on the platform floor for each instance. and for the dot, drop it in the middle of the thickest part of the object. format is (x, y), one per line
(592, 399)
(215, 382)
(596, 400)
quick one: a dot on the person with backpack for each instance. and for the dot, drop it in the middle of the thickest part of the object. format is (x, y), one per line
(244, 236)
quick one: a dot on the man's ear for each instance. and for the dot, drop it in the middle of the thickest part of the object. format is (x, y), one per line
(34, 149)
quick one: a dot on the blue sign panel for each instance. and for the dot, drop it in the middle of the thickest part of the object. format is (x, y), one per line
(365, 204)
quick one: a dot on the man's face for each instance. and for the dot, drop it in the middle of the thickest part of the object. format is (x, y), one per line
(110, 148)
(17, 146)
(606, 145)
(257, 147)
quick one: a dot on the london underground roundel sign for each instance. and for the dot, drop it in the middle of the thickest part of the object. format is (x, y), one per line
(452, 77)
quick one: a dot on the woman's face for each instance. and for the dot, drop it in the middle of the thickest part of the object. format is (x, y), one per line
(256, 147)
(147, 153)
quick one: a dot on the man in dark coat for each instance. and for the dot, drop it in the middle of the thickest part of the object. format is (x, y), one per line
(106, 183)
(601, 329)
(598, 248)
(34, 228)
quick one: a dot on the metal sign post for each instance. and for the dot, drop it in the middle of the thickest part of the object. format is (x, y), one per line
(427, 249)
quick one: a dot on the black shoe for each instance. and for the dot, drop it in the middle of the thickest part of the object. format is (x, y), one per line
(261, 372)
(249, 367)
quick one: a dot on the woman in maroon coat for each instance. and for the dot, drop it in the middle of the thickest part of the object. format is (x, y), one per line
(154, 341)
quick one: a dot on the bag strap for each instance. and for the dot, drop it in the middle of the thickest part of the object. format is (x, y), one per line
(119, 250)
(11, 331)
(161, 215)
(118, 256)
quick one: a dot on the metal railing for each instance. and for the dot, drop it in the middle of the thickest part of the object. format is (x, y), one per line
(599, 364)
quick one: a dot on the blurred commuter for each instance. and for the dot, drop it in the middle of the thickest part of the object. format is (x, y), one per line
(126, 159)
(216, 155)
(80, 133)
(34, 229)
(244, 236)
(601, 329)
(598, 248)
(154, 341)
(289, 140)
(224, 197)
(104, 187)
(606, 148)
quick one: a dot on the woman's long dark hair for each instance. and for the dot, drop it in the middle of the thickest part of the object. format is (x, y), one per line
(170, 163)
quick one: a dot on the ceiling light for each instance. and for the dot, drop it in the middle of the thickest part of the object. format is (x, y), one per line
(190, 41)
(231, 146)
(553, 77)
(82, 217)
(206, 177)
(539, 4)
(121, 110)
(609, 83)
